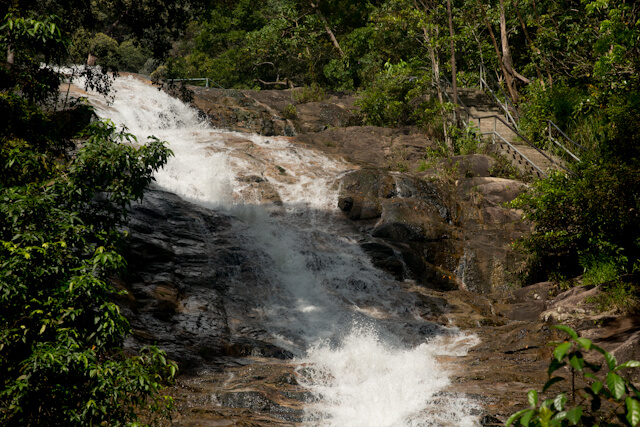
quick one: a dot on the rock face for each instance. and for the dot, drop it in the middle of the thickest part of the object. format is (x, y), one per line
(446, 239)
(180, 261)
(273, 112)
(447, 230)
(233, 110)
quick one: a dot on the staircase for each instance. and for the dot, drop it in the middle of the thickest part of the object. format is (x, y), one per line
(483, 113)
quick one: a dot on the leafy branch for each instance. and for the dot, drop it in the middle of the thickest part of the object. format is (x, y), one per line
(605, 400)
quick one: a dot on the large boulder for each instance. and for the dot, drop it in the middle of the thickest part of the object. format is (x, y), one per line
(233, 110)
(443, 239)
(392, 149)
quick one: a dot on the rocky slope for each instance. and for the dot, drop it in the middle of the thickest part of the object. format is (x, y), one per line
(447, 230)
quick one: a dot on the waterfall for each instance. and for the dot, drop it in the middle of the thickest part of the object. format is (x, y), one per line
(363, 351)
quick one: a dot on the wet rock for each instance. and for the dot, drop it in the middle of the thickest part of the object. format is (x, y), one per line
(259, 402)
(336, 110)
(491, 421)
(181, 262)
(386, 258)
(243, 346)
(442, 240)
(256, 394)
(496, 191)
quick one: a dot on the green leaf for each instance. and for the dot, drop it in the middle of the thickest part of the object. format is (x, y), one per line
(574, 415)
(577, 362)
(558, 417)
(611, 360)
(596, 387)
(532, 397)
(616, 385)
(551, 382)
(567, 330)
(629, 364)
(633, 411)
(517, 416)
(560, 401)
(526, 418)
(561, 350)
(584, 342)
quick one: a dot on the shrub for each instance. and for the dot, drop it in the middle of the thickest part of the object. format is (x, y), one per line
(131, 57)
(106, 49)
(616, 295)
(289, 112)
(60, 331)
(593, 214)
(312, 93)
(607, 399)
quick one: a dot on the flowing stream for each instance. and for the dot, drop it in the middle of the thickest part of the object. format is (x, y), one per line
(364, 352)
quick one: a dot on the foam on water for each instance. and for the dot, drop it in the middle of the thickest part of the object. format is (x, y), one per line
(364, 382)
(363, 349)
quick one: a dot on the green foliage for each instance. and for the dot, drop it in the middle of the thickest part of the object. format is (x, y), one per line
(29, 39)
(30, 34)
(311, 93)
(617, 295)
(106, 49)
(394, 97)
(129, 55)
(599, 269)
(465, 140)
(289, 112)
(607, 399)
(60, 331)
(562, 104)
(132, 57)
(594, 214)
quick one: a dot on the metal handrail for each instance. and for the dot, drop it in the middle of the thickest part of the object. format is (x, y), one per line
(484, 72)
(204, 79)
(516, 150)
(507, 101)
(564, 135)
(444, 82)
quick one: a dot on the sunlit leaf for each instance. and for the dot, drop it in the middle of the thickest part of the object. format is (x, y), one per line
(633, 411)
(616, 385)
(561, 350)
(569, 331)
(560, 401)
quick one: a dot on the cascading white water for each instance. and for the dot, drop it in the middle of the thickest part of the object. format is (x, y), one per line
(363, 351)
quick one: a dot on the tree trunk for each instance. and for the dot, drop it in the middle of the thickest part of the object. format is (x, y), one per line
(527, 36)
(507, 77)
(530, 41)
(327, 28)
(506, 50)
(435, 64)
(91, 59)
(10, 56)
(454, 79)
